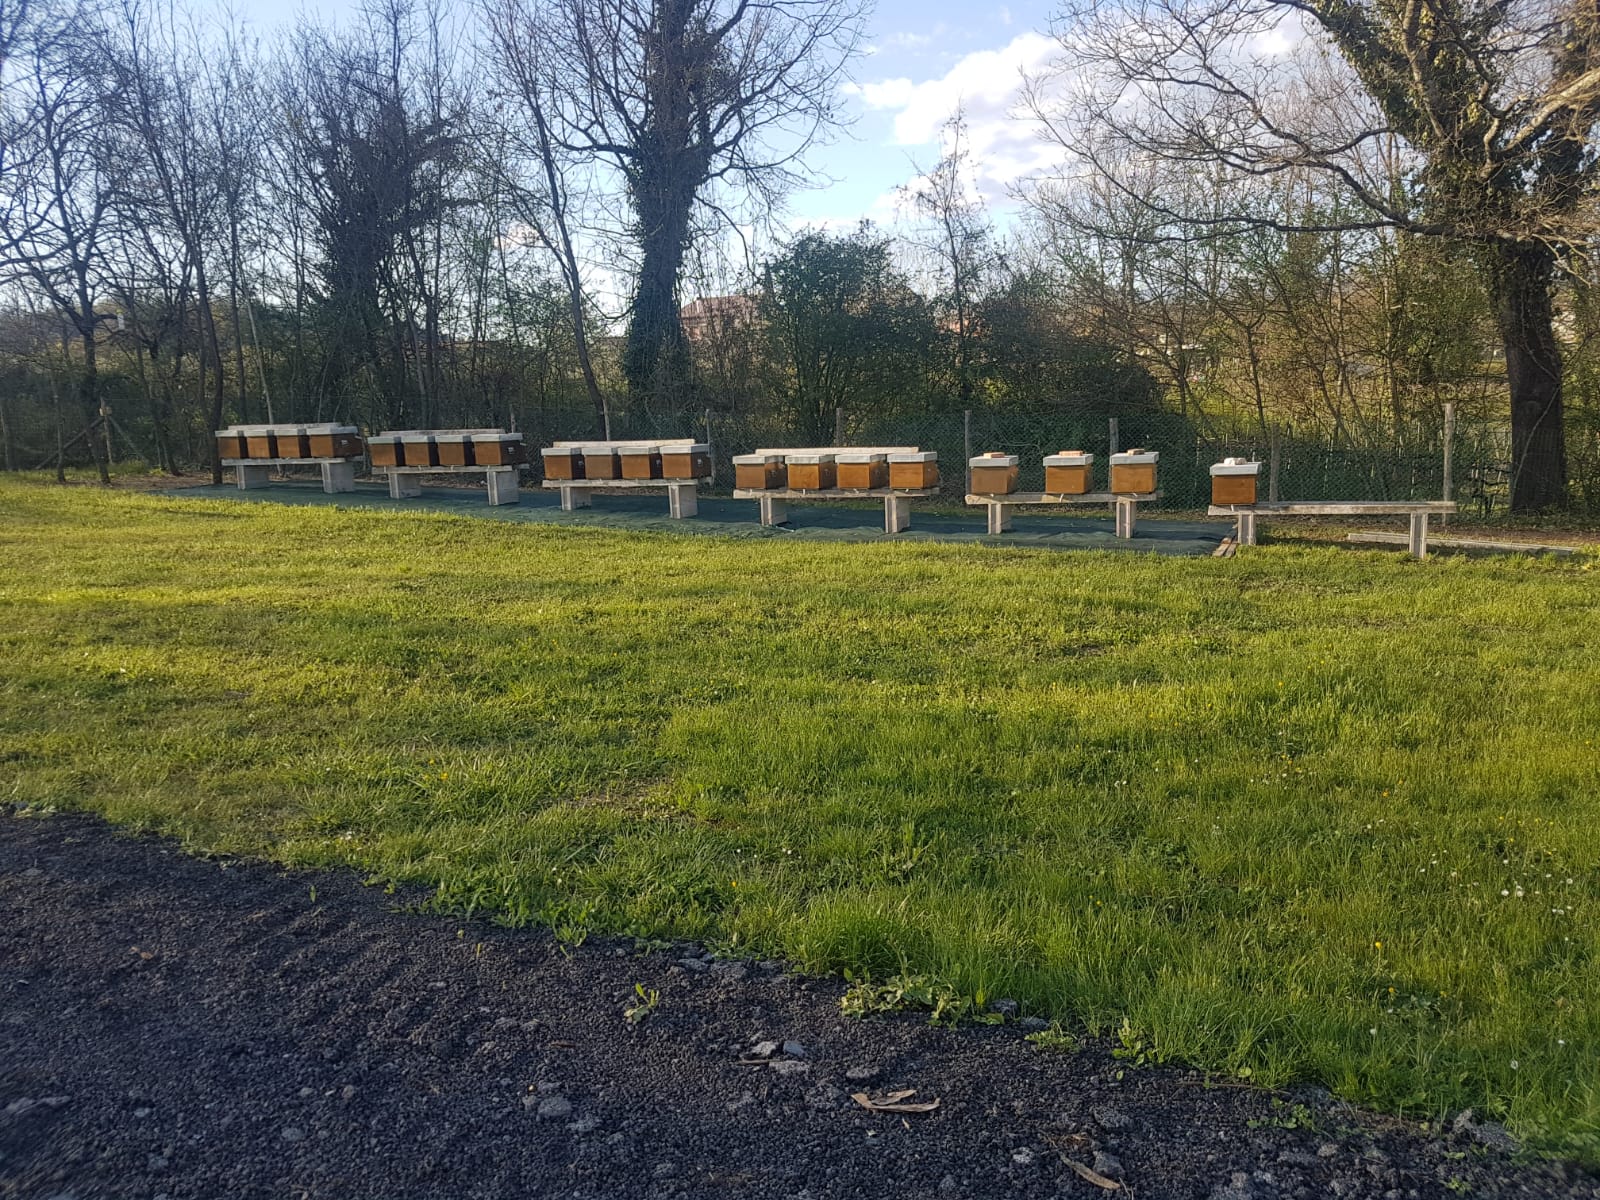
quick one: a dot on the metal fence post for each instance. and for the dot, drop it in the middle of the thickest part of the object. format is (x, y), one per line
(711, 449)
(966, 449)
(838, 425)
(1274, 459)
(1449, 456)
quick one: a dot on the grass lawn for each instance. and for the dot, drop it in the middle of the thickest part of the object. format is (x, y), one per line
(1305, 813)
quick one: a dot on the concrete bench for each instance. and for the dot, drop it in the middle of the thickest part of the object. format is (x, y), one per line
(1417, 513)
(255, 451)
(637, 464)
(828, 466)
(1126, 504)
(404, 456)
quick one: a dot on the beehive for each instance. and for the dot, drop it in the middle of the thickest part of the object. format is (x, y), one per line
(498, 449)
(600, 462)
(863, 470)
(230, 444)
(453, 449)
(333, 441)
(419, 450)
(291, 441)
(385, 449)
(1068, 473)
(1233, 481)
(811, 472)
(640, 462)
(914, 470)
(1133, 472)
(259, 441)
(686, 462)
(758, 472)
(562, 462)
(994, 474)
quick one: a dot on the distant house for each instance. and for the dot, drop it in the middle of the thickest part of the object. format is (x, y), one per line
(711, 316)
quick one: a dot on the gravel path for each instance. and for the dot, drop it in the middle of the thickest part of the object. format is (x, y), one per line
(179, 1027)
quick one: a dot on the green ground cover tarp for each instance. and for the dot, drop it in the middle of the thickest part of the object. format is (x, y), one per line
(838, 521)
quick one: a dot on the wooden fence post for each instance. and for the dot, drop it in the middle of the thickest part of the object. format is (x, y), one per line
(966, 450)
(1274, 459)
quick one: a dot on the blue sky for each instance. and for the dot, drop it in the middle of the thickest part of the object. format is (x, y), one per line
(925, 58)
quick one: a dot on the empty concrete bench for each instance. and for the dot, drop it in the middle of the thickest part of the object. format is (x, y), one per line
(677, 466)
(254, 451)
(1069, 479)
(405, 455)
(895, 474)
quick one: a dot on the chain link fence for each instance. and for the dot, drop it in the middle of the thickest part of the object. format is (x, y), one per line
(1410, 467)
(1407, 466)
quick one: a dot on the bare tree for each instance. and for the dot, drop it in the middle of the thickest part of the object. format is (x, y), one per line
(522, 61)
(1496, 105)
(686, 99)
(59, 193)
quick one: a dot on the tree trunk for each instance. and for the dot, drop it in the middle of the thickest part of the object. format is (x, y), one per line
(656, 358)
(89, 396)
(1521, 281)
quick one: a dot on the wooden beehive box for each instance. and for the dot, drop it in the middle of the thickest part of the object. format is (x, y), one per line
(259, 441)
(453, 449)
(333, 441)
(862, 470)
(231, 444)
(758, 472)
(562, 462)
(640, 461)
(1068, 473)
(811, 472)
(498, 449)
(1233, 481)
(291, 441)
(686, 462)
(1133, 472)
(994, 474)
(600, 462)
(418, 450)
(914, 470)
(385, 449)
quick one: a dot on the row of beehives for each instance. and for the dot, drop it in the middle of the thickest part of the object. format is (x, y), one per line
(627, 460)
(289, 441)
(825, 470)
(1133, 473)
(394, 448)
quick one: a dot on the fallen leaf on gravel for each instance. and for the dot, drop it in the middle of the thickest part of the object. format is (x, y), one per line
(894, 1102)
(1093, 1176)
(560, 1044)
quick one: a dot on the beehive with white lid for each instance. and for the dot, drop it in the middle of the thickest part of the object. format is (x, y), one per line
(1133, 472)
(1068, 473)
(1233, 481)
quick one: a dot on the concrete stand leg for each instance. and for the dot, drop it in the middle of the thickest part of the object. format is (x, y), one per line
(773, 510)
(502, 485)
(896, 514)
(573, 499)
(999, 517)
(683, 500)
(1419, 535)
(338, 477)
(1127, 518)
(252, 477)
(1247, 529)
(404, 487)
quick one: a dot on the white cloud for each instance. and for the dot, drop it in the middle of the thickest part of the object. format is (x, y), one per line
(986, 86)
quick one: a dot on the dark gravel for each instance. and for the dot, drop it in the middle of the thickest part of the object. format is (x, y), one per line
(180, 1027)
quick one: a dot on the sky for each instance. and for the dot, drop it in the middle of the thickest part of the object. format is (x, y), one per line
(923, 60)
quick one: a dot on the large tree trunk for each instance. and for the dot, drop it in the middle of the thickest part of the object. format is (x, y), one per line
(656, 358)
(89, 397)
(1521, 281)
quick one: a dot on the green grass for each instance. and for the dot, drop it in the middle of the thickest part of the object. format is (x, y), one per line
(1305, 813)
